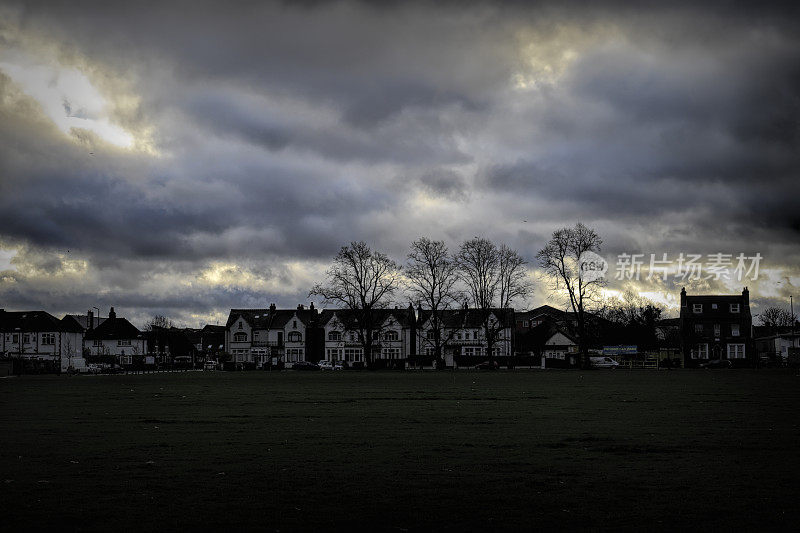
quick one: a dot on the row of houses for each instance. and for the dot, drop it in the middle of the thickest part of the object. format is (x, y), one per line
(260, 337)
(45, 343)
(710, 327)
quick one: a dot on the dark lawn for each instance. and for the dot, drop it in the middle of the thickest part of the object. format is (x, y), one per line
(402, 451)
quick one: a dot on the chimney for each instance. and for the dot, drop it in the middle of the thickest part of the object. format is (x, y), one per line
(89, 320)
(111, 314)
(683, 297)
(300, 307)
(746, 297)
(272, 308)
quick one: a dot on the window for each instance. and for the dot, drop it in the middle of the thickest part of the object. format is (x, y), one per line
(498, 350)
(713, 306)
(391, 336)
(353, 337)
(716, 330)
(240, 337)
(697, 308)
(431, 333)
(391, 353)
(97, 343)
(333, 354)
(458, 335)
(26, 338)
(555, 355)
(376, 335)
(734, 308)
(698, 328)
(734, 330)
(525, 323)
(334, 336)
(353, 354)
(736, 351)
(48, 338)
(241, 326)
(295, 336)
(700, 351)
(473, 351)
(124, 342)
(15, 338)
(475, 335)
(294, 324)
(294, 354)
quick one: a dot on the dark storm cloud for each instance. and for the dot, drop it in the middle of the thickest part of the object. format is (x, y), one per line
(285, 131)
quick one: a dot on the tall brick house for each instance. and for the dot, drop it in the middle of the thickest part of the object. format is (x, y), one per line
(716, 327)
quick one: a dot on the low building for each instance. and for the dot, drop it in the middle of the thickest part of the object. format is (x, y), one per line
(42, 341)
(775, 345)
(115, 340)
(715, 327)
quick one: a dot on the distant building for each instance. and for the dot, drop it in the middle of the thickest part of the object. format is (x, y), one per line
(115, 337)
(43, 341)
(556, 344)
(463, 330)
(392, 341)
(263, 336)
(716, 327)
(775, 344)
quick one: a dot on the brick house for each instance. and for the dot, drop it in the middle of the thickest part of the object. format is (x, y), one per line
(716, 327)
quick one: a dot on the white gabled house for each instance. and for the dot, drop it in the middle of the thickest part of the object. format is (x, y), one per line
(265, 336)
(115, 337)
(463, 335)
(42, 339)
(392, 338)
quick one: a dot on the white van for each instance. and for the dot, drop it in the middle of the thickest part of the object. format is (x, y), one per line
(603, 362)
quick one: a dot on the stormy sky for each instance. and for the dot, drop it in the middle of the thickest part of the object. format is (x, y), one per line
(187, 158)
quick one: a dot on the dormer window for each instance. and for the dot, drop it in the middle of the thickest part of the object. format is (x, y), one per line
(240, 337)
(697, 308)
(713, 306)
(295, 336)
(241, 326)
(334, 336)
(734, 308)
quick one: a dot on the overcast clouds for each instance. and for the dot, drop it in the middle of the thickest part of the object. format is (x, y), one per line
(190, 158)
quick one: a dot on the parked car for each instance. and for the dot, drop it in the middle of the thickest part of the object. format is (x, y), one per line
(603, 362)
(487, 365)
(325, 365)
(338, 366)
(210, 365)
(305, 365)
(93, 368)
(716, 363)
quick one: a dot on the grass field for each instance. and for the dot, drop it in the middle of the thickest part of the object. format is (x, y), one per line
(402, 451)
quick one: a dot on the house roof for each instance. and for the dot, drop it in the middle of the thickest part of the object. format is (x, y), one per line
(114, 328)
(348, 317)
(82, 320)
(33, 321)
(542, 310)
(270, 318)
(469, 318)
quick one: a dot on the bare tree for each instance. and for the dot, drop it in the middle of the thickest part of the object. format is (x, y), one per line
(431, 278)
(775, 317)
(362, 281)
(494, 278)
(561, 261)
(158, 322)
